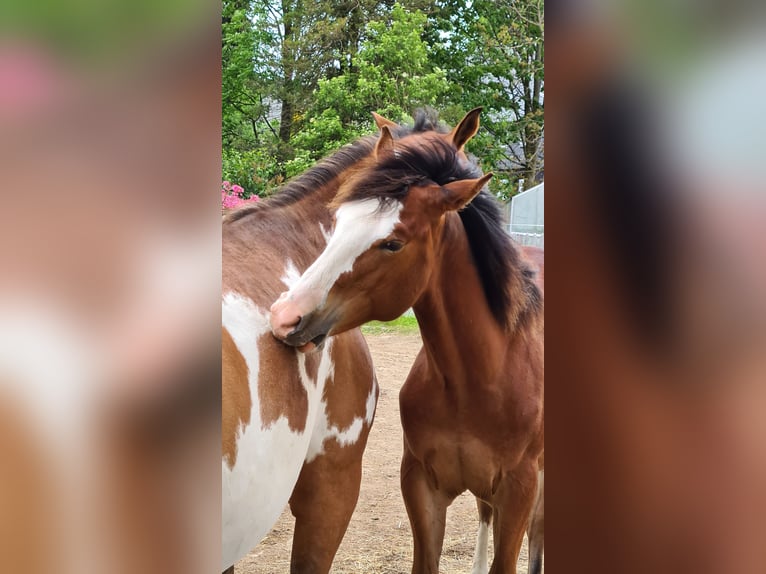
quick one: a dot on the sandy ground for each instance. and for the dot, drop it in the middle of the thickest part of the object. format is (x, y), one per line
(378, 539)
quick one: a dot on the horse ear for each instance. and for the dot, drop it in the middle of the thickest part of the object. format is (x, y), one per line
(458, 194)
(466, 129)
(380, 121)
(385, 142)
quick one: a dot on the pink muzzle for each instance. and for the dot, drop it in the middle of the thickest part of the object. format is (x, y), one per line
(286, 315)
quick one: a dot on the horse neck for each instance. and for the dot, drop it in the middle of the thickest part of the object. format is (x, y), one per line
(463, 341)
(308, 213)
(289, 235)
(312, 208)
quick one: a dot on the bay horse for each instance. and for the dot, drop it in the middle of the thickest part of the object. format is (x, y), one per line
(294, 425)
(415, 227)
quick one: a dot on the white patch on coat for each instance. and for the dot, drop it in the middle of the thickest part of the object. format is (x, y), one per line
(480, 557)
(358, 225)
(291, 274)
(257, 488)
(324, 431)
(325, 233)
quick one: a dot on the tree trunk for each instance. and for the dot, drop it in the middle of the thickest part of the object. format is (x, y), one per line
(532, 132)
(354, 30)
(288, 71)
(286, 120)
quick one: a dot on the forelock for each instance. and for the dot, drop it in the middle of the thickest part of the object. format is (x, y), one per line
(415, 162)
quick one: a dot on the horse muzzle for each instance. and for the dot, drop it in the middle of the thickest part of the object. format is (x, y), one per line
(306, 332)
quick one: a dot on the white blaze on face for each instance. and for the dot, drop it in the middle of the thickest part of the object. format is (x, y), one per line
(358, 225)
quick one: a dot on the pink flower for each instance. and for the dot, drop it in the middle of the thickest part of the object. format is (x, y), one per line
(231, 195)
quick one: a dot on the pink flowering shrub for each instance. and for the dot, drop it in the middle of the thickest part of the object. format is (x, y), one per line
(231, 195)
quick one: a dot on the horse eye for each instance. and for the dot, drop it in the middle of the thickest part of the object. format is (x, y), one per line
(392, 246)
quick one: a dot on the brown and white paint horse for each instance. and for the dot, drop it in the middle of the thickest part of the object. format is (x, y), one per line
(415, 228)
(294, 425)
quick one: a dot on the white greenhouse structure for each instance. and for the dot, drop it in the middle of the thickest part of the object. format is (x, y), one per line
(526, 220)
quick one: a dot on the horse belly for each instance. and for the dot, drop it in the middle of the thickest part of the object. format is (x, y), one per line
(258, 487)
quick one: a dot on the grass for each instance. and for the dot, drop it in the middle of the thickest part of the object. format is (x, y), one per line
(402, 325)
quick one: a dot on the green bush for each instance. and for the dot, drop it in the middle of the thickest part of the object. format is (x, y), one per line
(255, 170)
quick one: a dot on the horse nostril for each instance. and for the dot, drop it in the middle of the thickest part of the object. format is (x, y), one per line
(297, 326)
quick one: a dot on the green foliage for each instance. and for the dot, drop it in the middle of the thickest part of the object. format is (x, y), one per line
(392, 76)
(237, 60)
(254, 170)
(395, 73)
(323, 133)
(493, 52)
(300, 80)
(403, 325)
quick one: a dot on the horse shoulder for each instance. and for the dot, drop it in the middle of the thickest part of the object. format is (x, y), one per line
(349, 399)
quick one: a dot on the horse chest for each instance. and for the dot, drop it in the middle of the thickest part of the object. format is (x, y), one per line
(431, 408)
(273, 436)
(456, 461)
(464, 440)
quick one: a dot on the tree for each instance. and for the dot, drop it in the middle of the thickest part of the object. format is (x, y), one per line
(237, 53)
(309, 41)
(391, 74)
(247, 139)
(301, 78)
(493, 52)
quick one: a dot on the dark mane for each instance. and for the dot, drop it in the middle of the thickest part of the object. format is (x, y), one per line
(426, 119)
(508, 282)
(311, 180)
(504, 276)
(328, 168)
(435, 161)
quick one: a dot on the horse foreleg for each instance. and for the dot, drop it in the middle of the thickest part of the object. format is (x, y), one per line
(480, 558)
(427, 510)
(322, 502)
(513, 504)
(536, 530)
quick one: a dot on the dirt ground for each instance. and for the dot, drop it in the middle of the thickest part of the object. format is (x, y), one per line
(378, 539)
